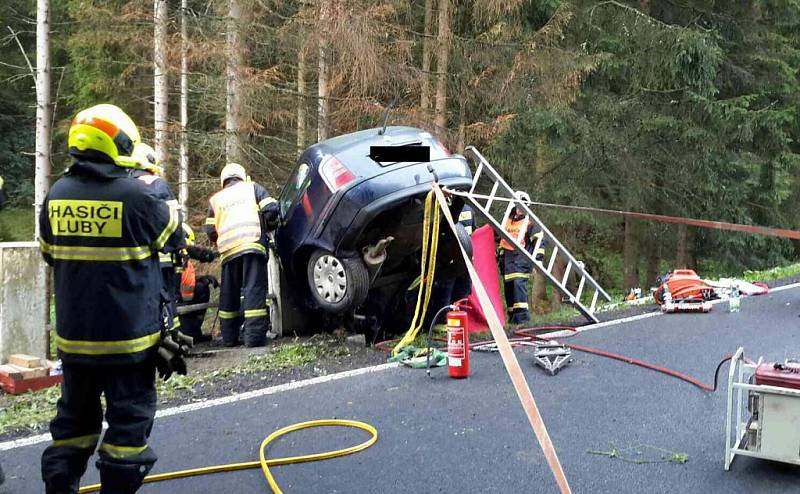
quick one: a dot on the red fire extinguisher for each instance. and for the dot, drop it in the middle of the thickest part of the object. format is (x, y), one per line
(457, 344)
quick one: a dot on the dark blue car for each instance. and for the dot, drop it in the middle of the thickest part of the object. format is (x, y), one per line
(351, 226)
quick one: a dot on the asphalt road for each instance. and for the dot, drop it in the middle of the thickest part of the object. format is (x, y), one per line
(449, 436)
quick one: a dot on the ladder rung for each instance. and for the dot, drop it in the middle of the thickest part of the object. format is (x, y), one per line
(580, 288)
(594, 301)
(566, 273)
(552, 260)
(476, 177)
(491, 196)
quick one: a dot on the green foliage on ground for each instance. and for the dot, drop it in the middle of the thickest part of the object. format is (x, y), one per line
(32, 410)
(16, 224)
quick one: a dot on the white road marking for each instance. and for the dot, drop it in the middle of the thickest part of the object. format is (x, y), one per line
(191, 407)
(647, 315)
(168, 412)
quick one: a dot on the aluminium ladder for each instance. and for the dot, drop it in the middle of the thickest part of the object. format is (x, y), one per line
(588, 292)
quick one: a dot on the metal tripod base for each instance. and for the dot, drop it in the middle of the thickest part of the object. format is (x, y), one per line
(551, 356)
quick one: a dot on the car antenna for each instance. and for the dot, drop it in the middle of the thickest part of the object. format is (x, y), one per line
(386, 114)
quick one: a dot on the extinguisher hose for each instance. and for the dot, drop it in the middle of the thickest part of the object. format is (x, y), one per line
(430, 336)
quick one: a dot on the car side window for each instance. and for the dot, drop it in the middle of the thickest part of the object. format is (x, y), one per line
(295, 187)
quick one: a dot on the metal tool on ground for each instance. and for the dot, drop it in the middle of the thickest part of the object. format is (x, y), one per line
(587, 292)
(551, 356)
(763, 410)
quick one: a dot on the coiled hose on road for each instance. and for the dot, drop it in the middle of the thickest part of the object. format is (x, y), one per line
(265, 463)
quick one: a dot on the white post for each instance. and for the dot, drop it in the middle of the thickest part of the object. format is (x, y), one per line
(160, 83)
(43, 108)
(183, 184)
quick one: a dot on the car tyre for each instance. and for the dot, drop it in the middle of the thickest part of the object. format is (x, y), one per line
(337, 284)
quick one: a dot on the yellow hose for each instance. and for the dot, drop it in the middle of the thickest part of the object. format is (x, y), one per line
(265, 463)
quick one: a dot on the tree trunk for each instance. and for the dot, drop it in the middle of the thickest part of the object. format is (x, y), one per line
(322, 77)
(235, 65)
(183, 183)
(682, 255)
(558, 272)
(652, 262)
(301, 99)
(43, 108)
(427, 47)
(160, 83)
(630, 256)
(462, 124)
(442, 56)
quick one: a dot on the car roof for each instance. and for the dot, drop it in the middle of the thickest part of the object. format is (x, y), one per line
(353, 149)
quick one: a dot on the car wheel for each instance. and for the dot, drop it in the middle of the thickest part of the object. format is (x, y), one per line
(337, 284)
(449, 262)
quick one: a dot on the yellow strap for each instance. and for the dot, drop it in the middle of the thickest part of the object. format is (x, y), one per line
(82, 442)
(85, 347)
(120, 452)
(430, 245)
(510, 360)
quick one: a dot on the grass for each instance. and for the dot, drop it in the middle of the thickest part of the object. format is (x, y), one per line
(16, 224)
(775, 273)
(32, 410)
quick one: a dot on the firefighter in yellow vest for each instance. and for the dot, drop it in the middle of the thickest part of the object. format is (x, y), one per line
(237, 221)
(101, 230)
(516, 265)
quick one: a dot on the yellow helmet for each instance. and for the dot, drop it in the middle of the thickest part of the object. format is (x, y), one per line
(143, 157)
(232, 170)
(105, 129)
(189, 234)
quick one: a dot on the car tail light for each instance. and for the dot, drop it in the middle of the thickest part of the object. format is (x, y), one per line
(335, 174)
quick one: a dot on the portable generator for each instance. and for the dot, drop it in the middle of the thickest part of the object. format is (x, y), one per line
(763, 419)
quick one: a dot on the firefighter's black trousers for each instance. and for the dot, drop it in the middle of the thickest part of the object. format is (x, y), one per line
(130, 393)
(516, 273)
(244, 276)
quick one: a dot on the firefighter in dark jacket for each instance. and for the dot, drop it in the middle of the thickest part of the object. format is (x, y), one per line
(101, 230)
(145, 167)
(238, 219)
(516, 266)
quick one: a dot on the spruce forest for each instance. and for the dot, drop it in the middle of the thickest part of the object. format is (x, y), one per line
(676, 107)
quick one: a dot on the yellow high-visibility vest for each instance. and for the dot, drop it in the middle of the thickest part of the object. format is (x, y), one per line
(236, 216)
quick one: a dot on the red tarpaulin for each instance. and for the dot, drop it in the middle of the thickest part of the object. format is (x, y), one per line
(483, 257)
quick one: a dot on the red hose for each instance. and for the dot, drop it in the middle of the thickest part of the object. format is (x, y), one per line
(529, 333)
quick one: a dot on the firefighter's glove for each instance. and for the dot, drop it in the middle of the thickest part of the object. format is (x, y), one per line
(539, 256)
(201, 253)
(271, 219)
(174, 346)
(208, 280)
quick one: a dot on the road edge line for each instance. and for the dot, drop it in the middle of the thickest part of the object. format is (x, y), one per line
(192, 407)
